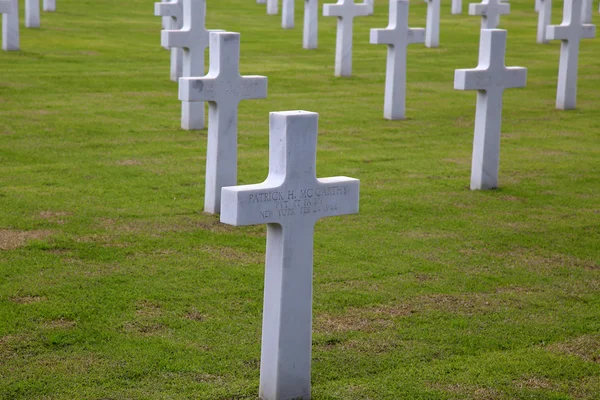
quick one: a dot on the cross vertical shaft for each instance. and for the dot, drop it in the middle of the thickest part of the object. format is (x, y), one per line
(311, 24)
(10, 28)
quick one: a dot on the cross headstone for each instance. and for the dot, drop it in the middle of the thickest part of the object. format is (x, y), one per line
(49, 5)
(570, 32)
(345, 11)
(272, 7)
(173, 11)
(10, 26)
(193, 39)
(432, 27)
(261, 1)
(289, 201)
(586, 11)
(544, 18)
(490, 11)
(397, 36)
(311, 24)
(224, 89)
(456, 7)
(490, 79)
(287, 14)
(32, 13)
(371, 4)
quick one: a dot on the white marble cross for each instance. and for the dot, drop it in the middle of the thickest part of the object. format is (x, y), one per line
(224, 89)
(490, 79)
(289, 201)
(456, 7)
(10, 25)
(32, 13)
(490, 11)
(586, 11)
(194, 39)
(371, 4)
(544, 17)
(287, 14)
(397, 36)
(49, 5)
(432, 27)
(173, 11)
(345, 11)
(570, 32)
(311, 24)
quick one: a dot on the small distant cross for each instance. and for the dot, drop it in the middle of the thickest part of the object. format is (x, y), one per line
(490, 79)
(223, 88)
(311, 24)
(432, 27)
(571, 31)
(10, 26)
(272, 7)
(193, 38)
(173, 11)
(397, 36)
(287, 14)
(289, 201)
(490, 11)
(544, 9)
(49, 5)
(456, 7)
(345, 11)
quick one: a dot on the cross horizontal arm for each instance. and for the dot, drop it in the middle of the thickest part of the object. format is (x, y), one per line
(562, 32)
(483, 9)
(343, 11)
(272, 203)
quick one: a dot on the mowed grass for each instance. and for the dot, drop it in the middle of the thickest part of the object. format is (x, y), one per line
(115, 285)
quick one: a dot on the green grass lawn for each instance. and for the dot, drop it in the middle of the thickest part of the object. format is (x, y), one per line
(115, 285)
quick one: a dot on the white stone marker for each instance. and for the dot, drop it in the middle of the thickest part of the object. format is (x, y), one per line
(544, 18)
(287, 14)
(345, 11)
(397, 36)
(371, 4)
(32, 13)
(49, 5)
(223, 88)
(456, 7)
(490, 79)
(289, 201)
(272, 7)
(432, 28)
(261, 1)
(10, 26)
(586, 11)
(490, 11)
(537, 5)
(194, 39)
(173, 11)
(311, 24)
(571, 31)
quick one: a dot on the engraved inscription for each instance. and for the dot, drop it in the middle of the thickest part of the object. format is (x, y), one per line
(298, 202)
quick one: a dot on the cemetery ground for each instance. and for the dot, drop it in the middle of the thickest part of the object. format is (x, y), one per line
(114, 283)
